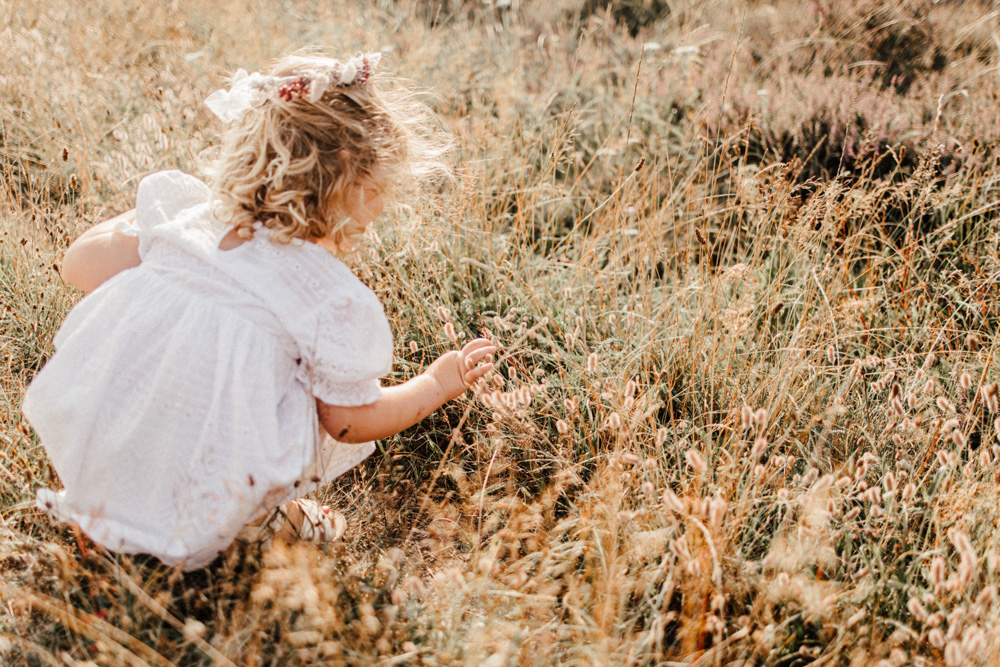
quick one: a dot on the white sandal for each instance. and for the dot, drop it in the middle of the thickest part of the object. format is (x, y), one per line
(315, 523)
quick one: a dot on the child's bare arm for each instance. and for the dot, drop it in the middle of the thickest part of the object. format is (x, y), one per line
(404, 405)
(99, 253)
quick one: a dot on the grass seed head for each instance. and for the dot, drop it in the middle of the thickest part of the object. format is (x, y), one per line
(695, 460)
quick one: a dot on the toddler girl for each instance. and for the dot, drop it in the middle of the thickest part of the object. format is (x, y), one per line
(222, 343)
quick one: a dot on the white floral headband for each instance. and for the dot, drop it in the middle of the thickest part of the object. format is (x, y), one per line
(249, 91)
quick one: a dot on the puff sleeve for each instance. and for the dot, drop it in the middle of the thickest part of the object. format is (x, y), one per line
(160, 198)
(350, 350)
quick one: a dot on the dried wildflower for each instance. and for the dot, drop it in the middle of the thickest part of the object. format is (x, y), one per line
(954, 656)
(890, 482)
(917, 609)
(944, 405)
(570, 404)
(443, 313)
(965, 380)
(993, 400)
(413, 346)
(661, 436)
(911, 401)
(716, 510)
(958, 438)
(759, 445)
(746, 417)
(672, 502)
(592, 362)
(909, 491)
(695, 460)
(782, 494)
(449, 330)
(736, 272)
(973, 640)
(935, 637)
(760, 416)
(938, 571)
(853, 514)
(630, 388)
(614, 421)
(843, 482)
(679, 547)
(897, 406)
(562, 426)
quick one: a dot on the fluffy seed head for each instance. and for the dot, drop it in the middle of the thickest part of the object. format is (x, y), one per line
(965, 380)
(917, 609)
(695, 460)
(938, 571)
(672, 502)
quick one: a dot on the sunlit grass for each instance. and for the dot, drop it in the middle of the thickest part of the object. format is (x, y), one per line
(746, 406)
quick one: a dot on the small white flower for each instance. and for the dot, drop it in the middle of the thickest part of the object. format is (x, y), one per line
(348, 73)
(317, 87)
(651, 46)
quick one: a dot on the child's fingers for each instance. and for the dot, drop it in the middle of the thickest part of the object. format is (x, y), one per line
(474, 357)
(475, 344)
(475, 373)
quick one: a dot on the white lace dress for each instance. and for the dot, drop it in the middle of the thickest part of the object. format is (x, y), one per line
(179, 404)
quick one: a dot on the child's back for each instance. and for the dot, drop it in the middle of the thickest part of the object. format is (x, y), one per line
(211, 359)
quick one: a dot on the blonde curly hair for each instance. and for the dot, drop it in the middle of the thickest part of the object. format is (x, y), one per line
(291, 163)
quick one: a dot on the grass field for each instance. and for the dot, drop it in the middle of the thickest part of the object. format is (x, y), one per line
(740, 260)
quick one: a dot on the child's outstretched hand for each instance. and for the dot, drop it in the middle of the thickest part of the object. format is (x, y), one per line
(457, 370)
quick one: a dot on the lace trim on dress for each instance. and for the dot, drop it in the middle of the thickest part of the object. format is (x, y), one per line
(344, 394)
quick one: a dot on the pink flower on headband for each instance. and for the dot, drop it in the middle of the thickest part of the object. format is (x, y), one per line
(249, 91)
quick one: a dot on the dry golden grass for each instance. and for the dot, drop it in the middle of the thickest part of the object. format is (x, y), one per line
(740, 262)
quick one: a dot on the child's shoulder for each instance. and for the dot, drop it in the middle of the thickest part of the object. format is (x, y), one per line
(171, 186)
